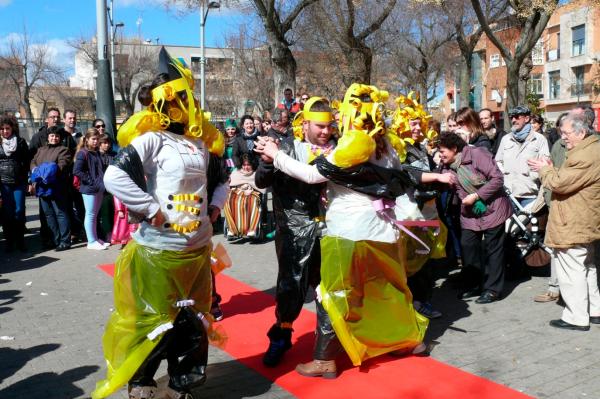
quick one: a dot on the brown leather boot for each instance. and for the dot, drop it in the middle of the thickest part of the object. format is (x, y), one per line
(318, 368)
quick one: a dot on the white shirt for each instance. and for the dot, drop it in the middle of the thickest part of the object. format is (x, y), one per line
(173, 164)
(351, 214)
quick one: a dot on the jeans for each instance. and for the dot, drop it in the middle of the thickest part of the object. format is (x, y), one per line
(13, 212)
(56, 209)
(92, 203)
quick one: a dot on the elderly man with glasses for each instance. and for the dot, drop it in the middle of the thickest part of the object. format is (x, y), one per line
(573, 226)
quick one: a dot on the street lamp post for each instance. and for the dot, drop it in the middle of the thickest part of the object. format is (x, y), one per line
(113, 33)
(203, 14)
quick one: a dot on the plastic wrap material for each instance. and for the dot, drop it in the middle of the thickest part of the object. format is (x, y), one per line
(371, 179)
(147, 285)
(364, 290)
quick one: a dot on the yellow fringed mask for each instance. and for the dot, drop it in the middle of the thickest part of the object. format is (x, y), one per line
(159, 117)
(361, 118)
(408, 109)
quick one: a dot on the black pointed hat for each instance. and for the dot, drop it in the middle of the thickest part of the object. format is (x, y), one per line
(165, 65)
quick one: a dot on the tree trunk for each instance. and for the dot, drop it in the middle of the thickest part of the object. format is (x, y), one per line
(512, 89)
(465, 81)
(360, 63)
(284, 68)
(28, 112)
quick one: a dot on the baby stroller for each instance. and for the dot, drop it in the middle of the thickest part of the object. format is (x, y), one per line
(526, 228)
(246, 214)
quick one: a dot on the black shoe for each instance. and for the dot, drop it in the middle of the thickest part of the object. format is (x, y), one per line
(280, 340)
(470, 293)
(62, 247)
(187, 382)
(487, 297)
(595, 319)
(567, 326)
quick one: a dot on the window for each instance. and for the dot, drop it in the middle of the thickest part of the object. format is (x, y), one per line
(537, 54)
(578, 34)
(536, 84)
(494, 60)
(554, 84)
(577, 89)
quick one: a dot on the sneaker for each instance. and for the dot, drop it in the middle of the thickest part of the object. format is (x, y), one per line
(427, 310)
(217, 313)
(96, 246)
(106, 244)
(280, 340)
(251, 234)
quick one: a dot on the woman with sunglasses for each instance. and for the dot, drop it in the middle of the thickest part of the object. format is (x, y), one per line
(100, 125)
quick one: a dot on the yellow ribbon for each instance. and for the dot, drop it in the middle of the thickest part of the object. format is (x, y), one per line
(190, 227)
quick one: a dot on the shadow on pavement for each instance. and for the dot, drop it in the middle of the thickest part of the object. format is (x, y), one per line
(12, 360)
(246, 302)
(50, 385)
(22, 261)
(8, 297)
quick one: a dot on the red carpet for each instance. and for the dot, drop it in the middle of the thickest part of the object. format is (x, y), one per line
(249, 314)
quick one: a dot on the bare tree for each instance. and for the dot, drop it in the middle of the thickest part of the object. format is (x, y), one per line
(460, 15)
(421, 52)
(27, 65)
(278, 18)
(253, 71)
(348, 27)
(135, 66)
(531, 18)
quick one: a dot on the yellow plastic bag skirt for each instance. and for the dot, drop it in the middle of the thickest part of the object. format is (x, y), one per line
(363, 288)
(148, 282)
(415, 256)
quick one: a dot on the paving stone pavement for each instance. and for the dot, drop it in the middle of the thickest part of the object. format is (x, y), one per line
(55, 305)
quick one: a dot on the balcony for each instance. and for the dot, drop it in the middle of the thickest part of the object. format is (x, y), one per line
(582, 89)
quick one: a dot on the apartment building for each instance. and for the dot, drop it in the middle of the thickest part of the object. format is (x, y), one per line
(566, 65)
(572, 39)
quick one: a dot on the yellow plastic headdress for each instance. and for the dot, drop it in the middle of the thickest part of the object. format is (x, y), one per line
(361, 118)
(408, 109)
(307, 115)
(158, 117)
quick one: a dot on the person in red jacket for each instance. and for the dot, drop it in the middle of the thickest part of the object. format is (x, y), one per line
(289, 103)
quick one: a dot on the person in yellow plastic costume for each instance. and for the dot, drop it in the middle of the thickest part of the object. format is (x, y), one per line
(410, 121)
(367, 305)
(162, 278)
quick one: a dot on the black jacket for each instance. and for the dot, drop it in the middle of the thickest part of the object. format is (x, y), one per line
(496, 140)
(240, 147)
(294, 201)
(15, 167)
(482, 141)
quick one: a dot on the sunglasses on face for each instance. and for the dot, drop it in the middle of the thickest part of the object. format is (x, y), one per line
(304, 98)
(100, 126)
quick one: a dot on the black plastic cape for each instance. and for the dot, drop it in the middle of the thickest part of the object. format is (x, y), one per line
(371, 179)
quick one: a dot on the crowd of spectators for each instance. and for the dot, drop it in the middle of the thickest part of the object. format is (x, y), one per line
(535, 167)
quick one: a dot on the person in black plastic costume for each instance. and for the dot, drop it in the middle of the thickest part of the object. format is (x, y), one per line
(298, 219)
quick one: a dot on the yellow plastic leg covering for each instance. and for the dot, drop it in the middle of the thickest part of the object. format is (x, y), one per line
(364, 290)
(148, 283)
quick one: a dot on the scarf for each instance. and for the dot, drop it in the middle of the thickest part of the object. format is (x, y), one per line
(522, 134)
(9, 145)
(250, 139)
(470, 181)
(317, 150)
